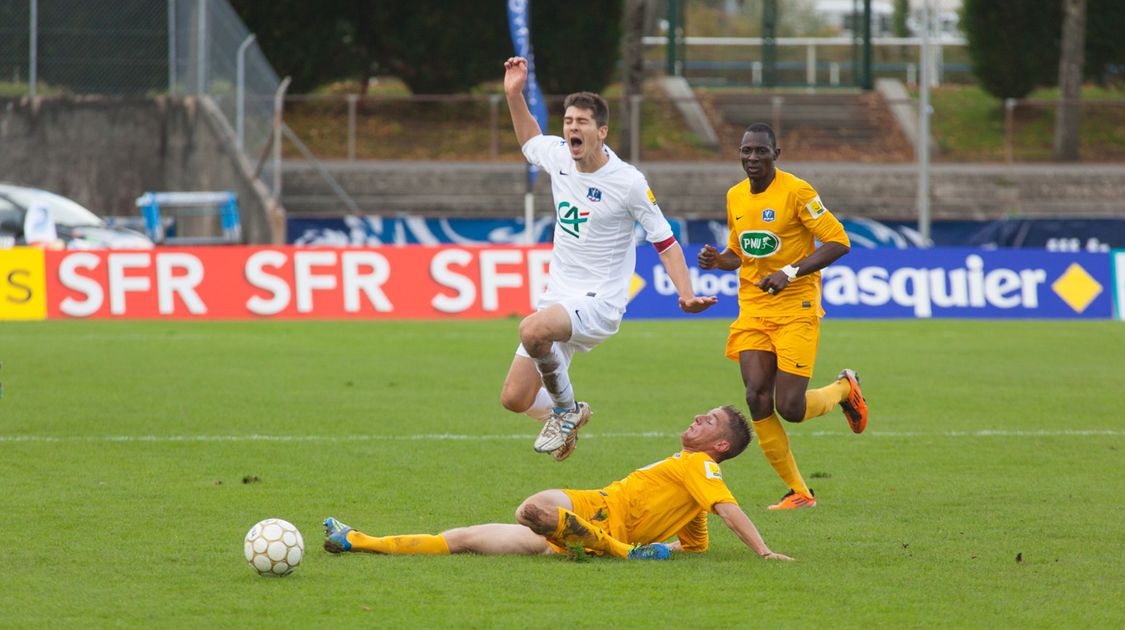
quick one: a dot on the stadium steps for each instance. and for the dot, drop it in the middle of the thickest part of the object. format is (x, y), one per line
(816, 126)
(698, 190)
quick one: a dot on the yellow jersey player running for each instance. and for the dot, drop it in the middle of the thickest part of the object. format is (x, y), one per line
(775, 220)
(629, 518)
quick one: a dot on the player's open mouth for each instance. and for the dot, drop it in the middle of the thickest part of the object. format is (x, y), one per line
(575, 142)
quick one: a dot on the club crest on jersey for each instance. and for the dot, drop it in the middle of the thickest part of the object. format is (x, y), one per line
(571, 218)
(713, 471)
(768, 215)
(594, 194)
(759, 243)
(815, 207)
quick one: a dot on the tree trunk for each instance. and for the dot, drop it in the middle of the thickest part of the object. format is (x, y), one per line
(632, 79)
(1070, 80)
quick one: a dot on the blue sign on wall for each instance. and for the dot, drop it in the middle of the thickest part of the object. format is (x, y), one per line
(916, 283)
(1061, 235)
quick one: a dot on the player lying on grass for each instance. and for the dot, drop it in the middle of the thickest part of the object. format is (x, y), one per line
(626, 519)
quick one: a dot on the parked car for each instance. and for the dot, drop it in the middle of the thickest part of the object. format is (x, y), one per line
(76, 227)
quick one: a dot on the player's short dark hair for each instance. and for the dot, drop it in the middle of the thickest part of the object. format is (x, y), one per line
(766, 129)
(738, 433)
(592, 102)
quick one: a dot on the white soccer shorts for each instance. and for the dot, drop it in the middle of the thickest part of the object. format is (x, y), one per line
(592, 321)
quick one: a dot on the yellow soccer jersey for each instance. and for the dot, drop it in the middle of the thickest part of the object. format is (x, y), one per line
(775, 228)
(668, 498)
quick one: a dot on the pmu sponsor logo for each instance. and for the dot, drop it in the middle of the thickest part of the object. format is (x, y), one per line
(759, 243)
(971, 286)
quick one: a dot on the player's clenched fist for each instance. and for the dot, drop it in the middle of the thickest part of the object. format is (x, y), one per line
(708, 257)
(515, 75)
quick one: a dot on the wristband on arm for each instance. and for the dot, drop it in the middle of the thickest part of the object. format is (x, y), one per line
(662, 246)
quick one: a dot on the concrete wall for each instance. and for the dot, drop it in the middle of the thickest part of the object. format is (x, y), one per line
(104, 152)
(698, 190)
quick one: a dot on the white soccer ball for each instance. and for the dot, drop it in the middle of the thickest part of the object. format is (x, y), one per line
(274, 547)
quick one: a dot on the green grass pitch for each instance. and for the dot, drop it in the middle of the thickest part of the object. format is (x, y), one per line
(987, 492)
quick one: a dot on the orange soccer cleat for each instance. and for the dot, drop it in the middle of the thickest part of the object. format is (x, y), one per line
(855, 407)
(794, 500)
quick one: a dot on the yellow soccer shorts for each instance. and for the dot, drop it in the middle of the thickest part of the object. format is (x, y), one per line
(792, 339)
(591, 506)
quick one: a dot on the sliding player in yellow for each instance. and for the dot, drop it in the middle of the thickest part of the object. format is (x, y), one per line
(629, 518)
(774, 218)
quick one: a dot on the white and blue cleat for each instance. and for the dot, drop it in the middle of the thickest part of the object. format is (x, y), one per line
(336, 536)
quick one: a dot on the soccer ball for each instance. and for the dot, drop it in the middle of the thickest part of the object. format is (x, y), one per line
(274, 547)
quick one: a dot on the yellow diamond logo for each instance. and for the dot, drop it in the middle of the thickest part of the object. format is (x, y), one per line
(635, 285)
(1077, 287)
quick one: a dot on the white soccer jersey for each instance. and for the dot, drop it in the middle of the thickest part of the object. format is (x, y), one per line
(594, 217)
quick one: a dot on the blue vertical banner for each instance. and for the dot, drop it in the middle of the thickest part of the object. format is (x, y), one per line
(519, 23)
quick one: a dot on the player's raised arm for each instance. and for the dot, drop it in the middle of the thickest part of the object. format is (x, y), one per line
(515, 77)
(672, 256)
(741, 525)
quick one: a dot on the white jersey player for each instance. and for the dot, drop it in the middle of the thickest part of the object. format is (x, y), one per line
(598, 199)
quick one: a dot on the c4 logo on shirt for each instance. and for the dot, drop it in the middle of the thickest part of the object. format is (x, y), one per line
(759, 243)
(571, 218)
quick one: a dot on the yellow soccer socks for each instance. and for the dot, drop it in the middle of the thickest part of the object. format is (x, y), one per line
(574, 530)
(821, 400)
(775, 446)
(409, 545)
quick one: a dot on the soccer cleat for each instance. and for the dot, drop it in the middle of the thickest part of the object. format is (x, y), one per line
(336, 536)
(794, 500)
(571, 443)
(654, 551)
(855, 407)
(559, 426)
(550, 436)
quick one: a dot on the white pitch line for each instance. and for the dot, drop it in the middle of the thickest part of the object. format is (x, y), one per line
(454, 437)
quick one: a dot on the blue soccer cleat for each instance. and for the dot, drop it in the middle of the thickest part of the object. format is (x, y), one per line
(654, 551)
(336, 536)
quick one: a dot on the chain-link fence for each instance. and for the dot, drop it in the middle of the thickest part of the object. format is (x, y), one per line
(142, 48)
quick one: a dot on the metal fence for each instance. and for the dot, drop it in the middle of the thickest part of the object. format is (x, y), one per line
(809, 61)
(826, 126)
(143, 48)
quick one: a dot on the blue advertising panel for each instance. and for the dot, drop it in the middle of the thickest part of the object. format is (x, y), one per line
(1056, 235)
(373, 230)
(1119, 283)
(916, 283)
